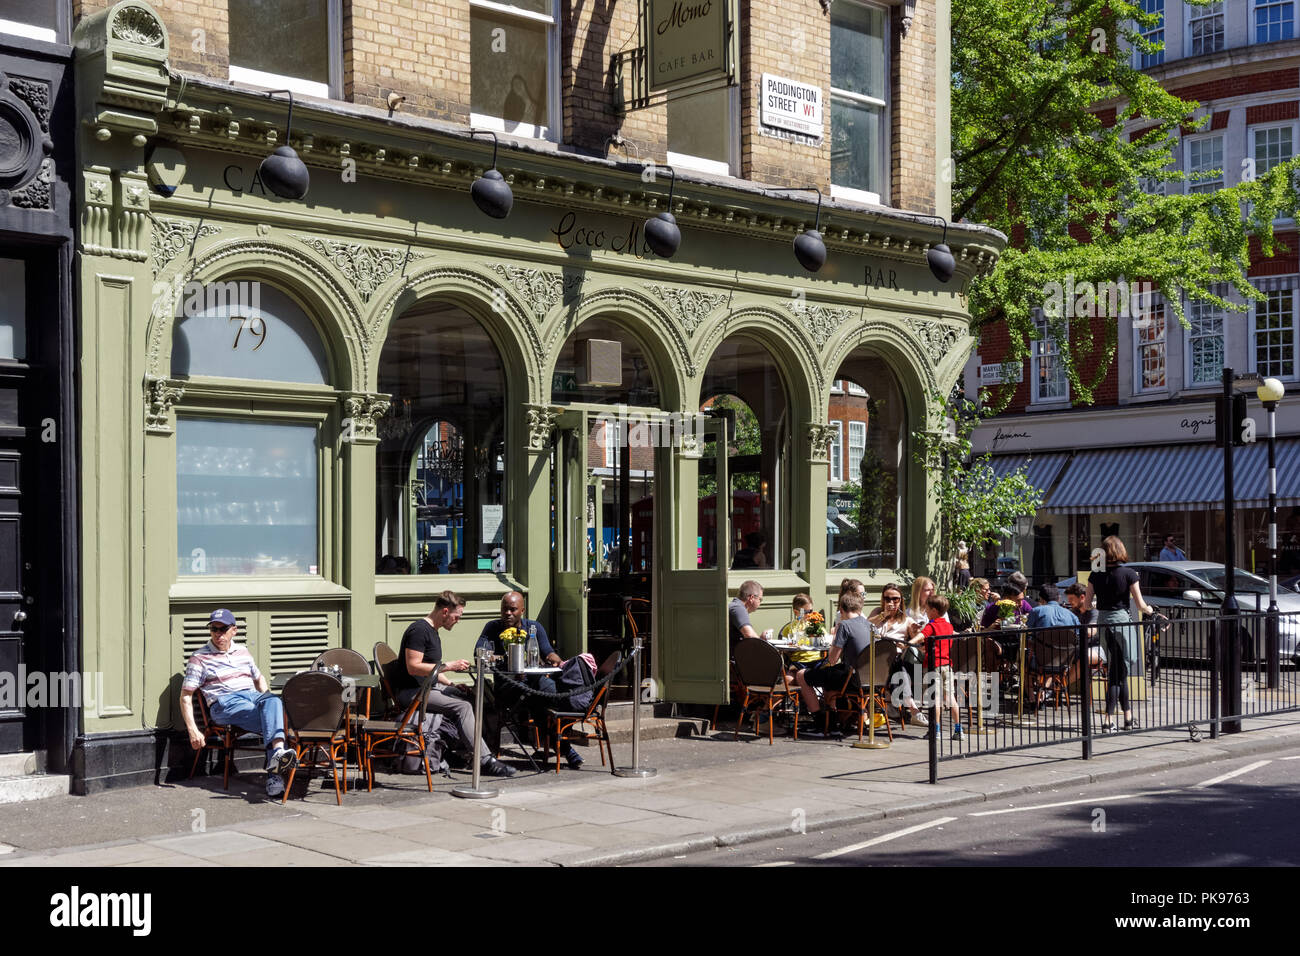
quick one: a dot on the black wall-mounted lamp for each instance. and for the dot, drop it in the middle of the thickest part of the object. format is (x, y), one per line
(283, 172)
(490, 192)
(940, 258)
(809, 247)
(661, 232)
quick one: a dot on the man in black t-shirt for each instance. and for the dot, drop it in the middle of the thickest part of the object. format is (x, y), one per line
(420, 653)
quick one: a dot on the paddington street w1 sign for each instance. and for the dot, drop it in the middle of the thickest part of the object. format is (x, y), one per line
(789, 104)
(687, 41)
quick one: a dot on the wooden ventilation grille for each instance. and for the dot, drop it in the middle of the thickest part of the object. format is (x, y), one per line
(194, 634)
(297, 640)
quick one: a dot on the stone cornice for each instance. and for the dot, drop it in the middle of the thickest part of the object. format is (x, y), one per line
(428, 153)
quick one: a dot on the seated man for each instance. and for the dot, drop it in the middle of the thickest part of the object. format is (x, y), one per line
(1049, 613)
(1076, 596)
(744, 604)
(236, 694)
(852, 637)
(420, 653)
(512, 616)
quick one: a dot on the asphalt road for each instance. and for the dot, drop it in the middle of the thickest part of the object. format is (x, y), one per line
(1231, 813)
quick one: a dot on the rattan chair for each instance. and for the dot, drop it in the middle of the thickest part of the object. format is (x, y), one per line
(1055, 652)
(855, 697)
(572, 724)
(385, 660)
(316, 725)
(350, 662)
(393, 738)
(226, 738)
(761, 672)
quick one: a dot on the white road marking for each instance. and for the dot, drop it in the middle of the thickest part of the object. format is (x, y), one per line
(1236, 773)
(1068, 803)
(884, 839)
(1290, 758)
(774, 863)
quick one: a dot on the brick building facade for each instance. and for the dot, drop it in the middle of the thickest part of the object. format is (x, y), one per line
(1153, 410)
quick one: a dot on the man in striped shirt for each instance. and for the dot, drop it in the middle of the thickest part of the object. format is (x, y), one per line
(236, 693)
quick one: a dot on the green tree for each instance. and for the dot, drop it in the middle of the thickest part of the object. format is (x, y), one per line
(976, 503)
(748, 440)
(1041, 91)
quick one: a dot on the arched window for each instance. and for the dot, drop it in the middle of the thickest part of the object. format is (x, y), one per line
(602, 364)
(742, 385)
(442, 453)
(250, 472)
(865, 508)
(246, 329)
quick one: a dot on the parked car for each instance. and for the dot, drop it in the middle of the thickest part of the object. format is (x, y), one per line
(1193, 591)
(855, 559)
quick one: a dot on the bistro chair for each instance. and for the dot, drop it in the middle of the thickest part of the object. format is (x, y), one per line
(970, 653)
(385, 659)
(1054, 654)
(761, 672)
(856, 697)
(395, 738)
(350, 662)
(572, 724)
(226, 738)
(316, 726)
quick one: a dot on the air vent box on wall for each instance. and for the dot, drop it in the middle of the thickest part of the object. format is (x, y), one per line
(600, 362)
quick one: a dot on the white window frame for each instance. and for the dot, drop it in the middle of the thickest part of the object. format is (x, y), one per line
(1139, 379)
(1190, 336)
(1275, 284)
(325, 91)
(837, 452)
(1201, 185)
(854, 467)
(886, 120)
(551, 131)
(1252, 27)
(1040, 348)
(853, 388)
(1200, 13)
(1252, 132)
(1163, 30)
(714, 167)
(609, 444)
(837, 387)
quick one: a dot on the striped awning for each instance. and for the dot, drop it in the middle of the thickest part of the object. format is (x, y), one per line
(1173, 478)
(1040, 470)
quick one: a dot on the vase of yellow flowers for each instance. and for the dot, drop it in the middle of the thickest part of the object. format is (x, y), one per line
(515, 641)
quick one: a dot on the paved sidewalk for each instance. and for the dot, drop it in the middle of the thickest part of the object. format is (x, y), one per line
(709, 792)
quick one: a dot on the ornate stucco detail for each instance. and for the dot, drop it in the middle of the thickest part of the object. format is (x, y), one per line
(820, 321)
(541, 423)
(540, 289)
(36, 94)
(37, 194)
(138, 25)
(161, 395)
(937, 339)
(689, 306)
(171, 236)
(364, 410)
(366, 267)
(820, 436)
(690, 446)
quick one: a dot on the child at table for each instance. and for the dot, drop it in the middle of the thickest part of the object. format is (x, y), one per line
(939, 630)
(793, 631)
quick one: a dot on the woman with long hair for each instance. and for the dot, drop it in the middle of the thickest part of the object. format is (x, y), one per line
(892, 624)
(922, 591)
(1111, 590)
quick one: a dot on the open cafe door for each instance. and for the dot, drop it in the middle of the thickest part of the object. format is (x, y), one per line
(570, 562)
(693, 653)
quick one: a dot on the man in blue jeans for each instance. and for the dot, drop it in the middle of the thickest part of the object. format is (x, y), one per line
(236, 693)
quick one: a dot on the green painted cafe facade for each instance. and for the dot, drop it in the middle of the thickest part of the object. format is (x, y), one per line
(321, 413)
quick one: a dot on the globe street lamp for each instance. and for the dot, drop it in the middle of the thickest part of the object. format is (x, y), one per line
(1270, 393)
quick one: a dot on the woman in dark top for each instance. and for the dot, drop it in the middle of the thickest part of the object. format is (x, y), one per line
(1109, 591)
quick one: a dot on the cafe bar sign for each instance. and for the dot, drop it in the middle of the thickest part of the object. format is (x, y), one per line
(688, 42)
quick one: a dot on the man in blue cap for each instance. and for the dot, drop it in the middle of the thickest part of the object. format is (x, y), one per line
(236, 693)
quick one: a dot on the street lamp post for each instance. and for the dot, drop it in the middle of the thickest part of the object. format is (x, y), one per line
(1270, 393)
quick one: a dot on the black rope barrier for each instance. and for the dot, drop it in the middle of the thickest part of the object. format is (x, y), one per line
(563, 695)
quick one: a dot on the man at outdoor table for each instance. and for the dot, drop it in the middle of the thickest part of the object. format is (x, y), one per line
(1050, 613)
(420, 653)
(852, 637)
(508, 696)
(236, 693)
(747, 601)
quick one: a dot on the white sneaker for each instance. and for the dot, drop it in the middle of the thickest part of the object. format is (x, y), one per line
(282, 761)
(274, 785)
(920, 719)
